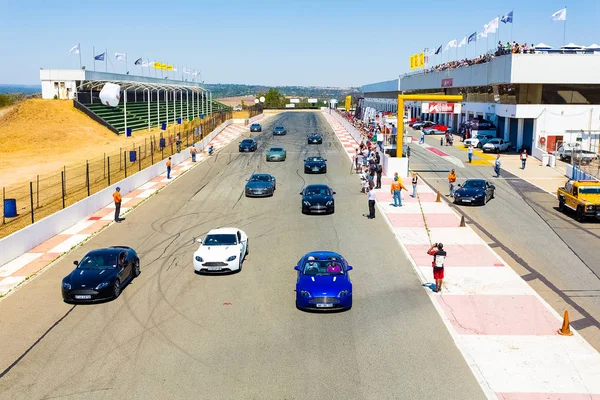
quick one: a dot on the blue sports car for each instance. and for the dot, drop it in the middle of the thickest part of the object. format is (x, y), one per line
(474, 191)
(323, 282)
(279, 130)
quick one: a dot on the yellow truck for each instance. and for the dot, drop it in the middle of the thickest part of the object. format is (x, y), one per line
(583, 197)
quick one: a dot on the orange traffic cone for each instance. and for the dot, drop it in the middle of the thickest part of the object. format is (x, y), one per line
(438, 199)
(566, 329)
(462, 221)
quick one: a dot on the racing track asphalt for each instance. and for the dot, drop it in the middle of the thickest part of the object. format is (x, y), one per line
(175, 334)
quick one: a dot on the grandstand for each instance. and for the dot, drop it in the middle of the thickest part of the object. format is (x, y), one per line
(145, 102)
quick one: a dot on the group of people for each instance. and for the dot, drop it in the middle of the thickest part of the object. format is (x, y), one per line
(482, 59)
(373, 131)
(513, 48)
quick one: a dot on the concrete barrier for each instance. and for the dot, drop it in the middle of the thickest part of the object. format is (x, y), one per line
(20, 242)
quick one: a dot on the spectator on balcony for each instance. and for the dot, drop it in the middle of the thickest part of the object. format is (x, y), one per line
(515, 48)
(524, 48)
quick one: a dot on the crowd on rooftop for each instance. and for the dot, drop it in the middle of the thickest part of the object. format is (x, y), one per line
(508, 48)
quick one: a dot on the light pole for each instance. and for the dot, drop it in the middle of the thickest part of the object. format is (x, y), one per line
(256, 105)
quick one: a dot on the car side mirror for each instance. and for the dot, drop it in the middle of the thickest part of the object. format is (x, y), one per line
(492, 186)
(76, 262)
(297, 268)
(349, 268)
(459, 185)
(300, 193)
(333, 192)
(199, 240)
(305, 159)
(324, 159)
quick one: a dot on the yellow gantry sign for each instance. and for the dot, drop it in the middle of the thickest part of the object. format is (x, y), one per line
(417, 97)
(417, 60)
(348, 104)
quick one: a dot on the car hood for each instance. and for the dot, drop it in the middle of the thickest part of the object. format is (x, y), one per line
(90, 277)
(314, 163)
(469, 192)
(259, 185)
(247, 144)
(318, 199)
(217, 253)
(491, 145)
(315, 138)
(276, 153)
(324, 285)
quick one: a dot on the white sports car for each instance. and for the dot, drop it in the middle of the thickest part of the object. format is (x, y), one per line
(223, 250)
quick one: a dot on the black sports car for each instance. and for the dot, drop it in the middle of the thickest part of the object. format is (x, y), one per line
(100, 275)
(255, 128)
(279, 130)
(315, 138)
(317, 199)
(248, 145)
(260, 185)
(315, 165)
(474, 191)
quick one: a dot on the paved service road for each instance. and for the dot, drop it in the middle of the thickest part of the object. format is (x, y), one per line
(555, 254)
(175, 334)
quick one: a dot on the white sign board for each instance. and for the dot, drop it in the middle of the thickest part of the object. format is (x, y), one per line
(290, 106)
(441, 108)
(294, 100)
(334, 101)
(313, 100)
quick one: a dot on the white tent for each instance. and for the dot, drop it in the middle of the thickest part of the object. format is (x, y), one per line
(594, 47)
(542, 46)
(571, 46)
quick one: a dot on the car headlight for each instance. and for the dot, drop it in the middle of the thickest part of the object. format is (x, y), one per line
(306, 203)
(199, 259)
(231, 258)
(343, 293)
(102, 285)
(456, 194)
(330, 202)
(304, 293)
(589, 208)
(479, 195)
(66, 285)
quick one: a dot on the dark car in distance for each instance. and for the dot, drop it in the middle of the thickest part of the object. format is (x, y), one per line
(318, 199)
(315, 138)
(248, 145)
(474, 191)
(279, 130)
(260, 185)
(101, 275)
(255, 128)
(315, 165)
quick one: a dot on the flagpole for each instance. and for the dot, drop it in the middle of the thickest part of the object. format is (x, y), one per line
(565, 29)
(79, 45)
(106, 59)
(125, 63)
(94, 55)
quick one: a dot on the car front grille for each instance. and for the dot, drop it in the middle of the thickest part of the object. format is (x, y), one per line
(214, 264)
(324, 300)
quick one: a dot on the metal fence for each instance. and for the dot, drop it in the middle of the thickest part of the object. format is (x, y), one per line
(51, 192)
(584, 157)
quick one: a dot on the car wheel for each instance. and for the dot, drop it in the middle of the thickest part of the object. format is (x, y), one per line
(485, 199)
(561, 204)
(247, 247)
(332, 210)
(497, 150)
(579, 215)
(241, 262)
(136, 268)
(325, 171)
(116, 289)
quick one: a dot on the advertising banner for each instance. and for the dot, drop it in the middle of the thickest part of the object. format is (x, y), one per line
(348, 103)
(417, 60)
(441, 108)
(290, 106)
(313, 100)
(447, 82)
(295, 101)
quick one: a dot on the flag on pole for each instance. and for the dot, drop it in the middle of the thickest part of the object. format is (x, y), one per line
(472, 37)
(100, 57)
(452, 43)
(146, 64)
(173, 68)
(138, 62)
(560, 15)
(157, 65)
(168, 67)
(463, 42)
(438, 50)
(492, 26)
(163, 66)
(74, 49)
(507, 18)
(120, 56)
(481, 34)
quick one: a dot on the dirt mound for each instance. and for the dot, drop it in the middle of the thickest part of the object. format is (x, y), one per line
(41, 136)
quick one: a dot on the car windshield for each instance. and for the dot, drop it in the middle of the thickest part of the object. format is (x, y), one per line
(315, 135)
(260, 178)
(247, 141)
(589, 189)
(316, 191)
(276, 149)
(474, 184)
(313, 159)
(279, 127)
(223, 239)
(98, 261)
(323, 267)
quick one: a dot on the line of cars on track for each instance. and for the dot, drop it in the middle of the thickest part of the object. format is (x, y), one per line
(323, 281)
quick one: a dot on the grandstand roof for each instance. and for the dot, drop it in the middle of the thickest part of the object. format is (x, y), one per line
(132, 85)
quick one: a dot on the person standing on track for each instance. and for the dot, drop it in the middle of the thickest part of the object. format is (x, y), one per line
(178, 143)
(523, 158)
(470, 153)
(169, 168)
(497, 164)
(415, 180)
(439, 255)
(193, 152)
(378, 171)
(372, 198)
(117, 198)
(396, 191)
(451, 182)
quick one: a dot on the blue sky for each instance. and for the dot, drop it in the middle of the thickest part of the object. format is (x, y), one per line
(300, 42)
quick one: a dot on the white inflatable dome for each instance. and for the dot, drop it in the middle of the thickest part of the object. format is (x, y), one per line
(110, 94)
